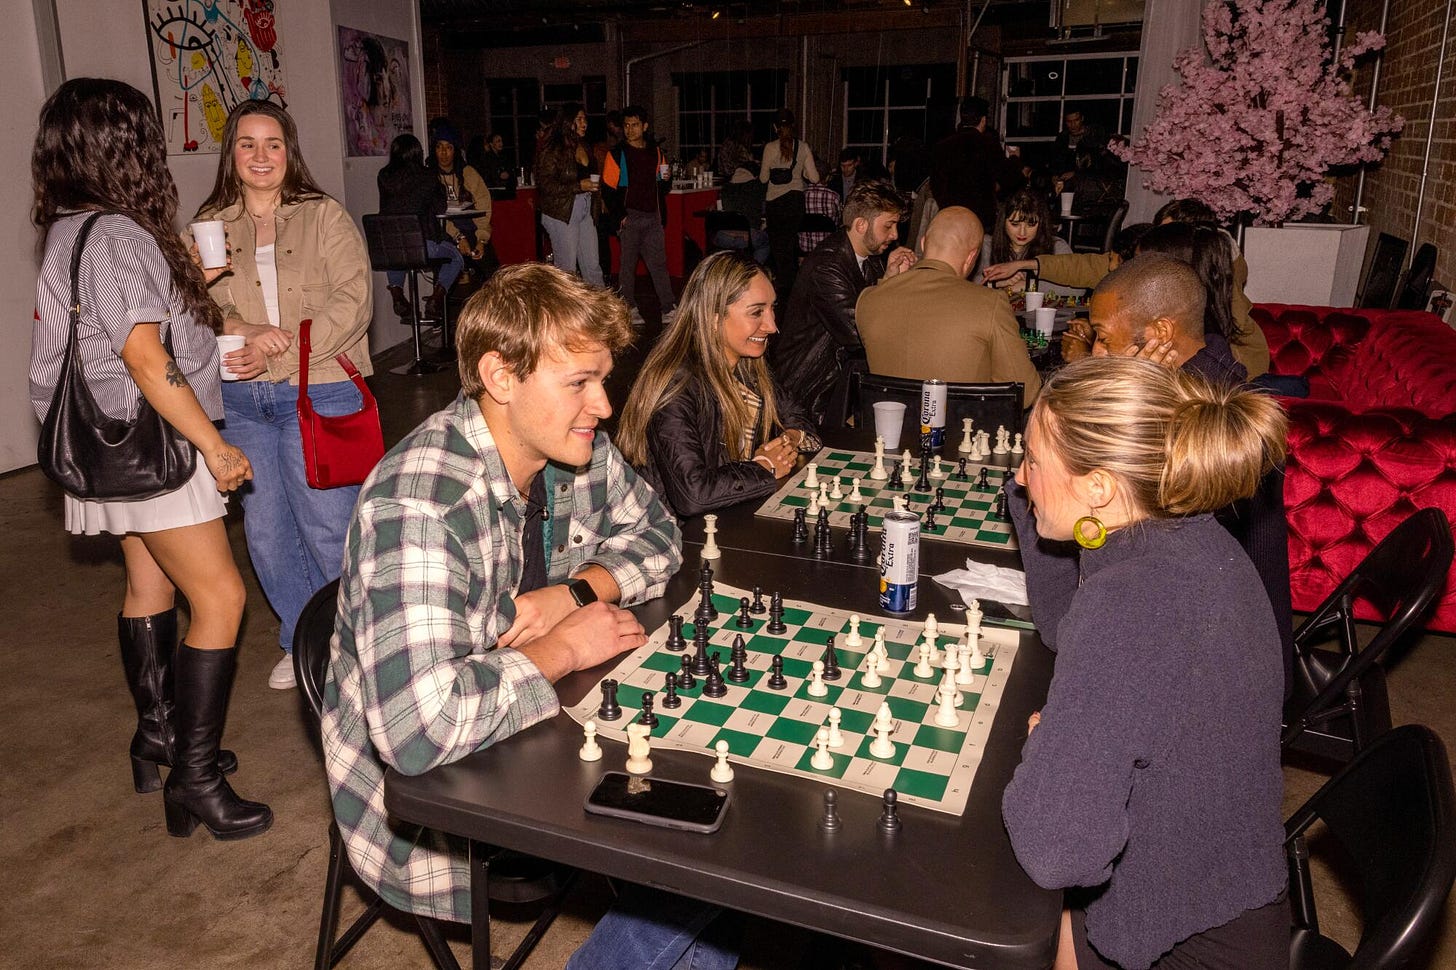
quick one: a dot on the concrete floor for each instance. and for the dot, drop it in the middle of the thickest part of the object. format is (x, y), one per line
(92, 878)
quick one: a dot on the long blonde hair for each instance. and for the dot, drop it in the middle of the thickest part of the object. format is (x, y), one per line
(1177, 443)
(692, 348)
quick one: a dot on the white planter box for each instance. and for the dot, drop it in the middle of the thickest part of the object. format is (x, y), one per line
(1312, 264)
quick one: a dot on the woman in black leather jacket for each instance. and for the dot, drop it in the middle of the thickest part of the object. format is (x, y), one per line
(706, 424)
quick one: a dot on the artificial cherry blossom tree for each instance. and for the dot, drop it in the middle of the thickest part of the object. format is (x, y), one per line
(1255, 127)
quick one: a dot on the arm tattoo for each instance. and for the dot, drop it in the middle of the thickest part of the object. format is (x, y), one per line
(174, 375)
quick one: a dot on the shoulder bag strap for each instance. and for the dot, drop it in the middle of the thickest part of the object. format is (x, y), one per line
(76, 251)
(305, 345)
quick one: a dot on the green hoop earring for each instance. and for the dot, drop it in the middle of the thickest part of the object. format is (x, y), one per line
(1098, 537)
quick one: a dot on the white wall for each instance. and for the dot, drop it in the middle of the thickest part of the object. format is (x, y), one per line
(107, 38)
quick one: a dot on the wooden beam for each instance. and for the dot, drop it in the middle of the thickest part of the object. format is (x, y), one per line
(791, 25)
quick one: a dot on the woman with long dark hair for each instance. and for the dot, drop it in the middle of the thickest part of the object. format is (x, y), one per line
(786, 163)
(406, 187)
(1023, 230)
(100, 149)
(568, 195)
(296, 255)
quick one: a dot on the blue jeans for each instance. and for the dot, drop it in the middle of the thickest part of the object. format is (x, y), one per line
(449, 273)
(651, 930)
(574, 243)
(755, 240)
(295, 533)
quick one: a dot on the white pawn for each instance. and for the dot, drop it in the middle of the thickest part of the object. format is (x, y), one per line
(855, 495)
(590, 750)
(1016, 448)
(898, 502)
(638, 749)
(945, 712)
(816, 681)
(1003, 445)
(722, 771)
(811, 480)
(853, 639)
(836, 492)
(936, 472)
(814, 505)
(923, 669)
(882, 746)
(878, 473)
(963, 659)
(836, 738)
(871, 675)
(710, 537)
(968, 438)
(907, 477)
(822, 759)
(824, 493)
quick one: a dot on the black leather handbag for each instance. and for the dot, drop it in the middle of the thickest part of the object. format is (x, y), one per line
(93, 455)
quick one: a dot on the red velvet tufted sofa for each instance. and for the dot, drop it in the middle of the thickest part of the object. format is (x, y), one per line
(1374, 441)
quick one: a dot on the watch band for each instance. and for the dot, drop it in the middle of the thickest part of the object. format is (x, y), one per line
(581, 591)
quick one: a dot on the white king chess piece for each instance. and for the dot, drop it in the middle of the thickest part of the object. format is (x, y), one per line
(878, 473)
(710, 537)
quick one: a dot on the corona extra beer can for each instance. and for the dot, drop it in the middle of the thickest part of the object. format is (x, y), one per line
(899, 561)
(932, 413)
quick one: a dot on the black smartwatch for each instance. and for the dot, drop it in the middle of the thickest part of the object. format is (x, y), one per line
(581, 591)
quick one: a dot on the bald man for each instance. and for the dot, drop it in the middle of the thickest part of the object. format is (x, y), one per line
(930, 322)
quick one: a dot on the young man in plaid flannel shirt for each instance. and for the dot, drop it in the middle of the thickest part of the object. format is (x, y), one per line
(490, 555)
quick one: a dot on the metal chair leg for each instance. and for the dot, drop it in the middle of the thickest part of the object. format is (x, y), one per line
(328, 953)
(436, 944)
(419, 366)
(543, 923)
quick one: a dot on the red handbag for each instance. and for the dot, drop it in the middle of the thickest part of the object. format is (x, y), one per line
(340, 450)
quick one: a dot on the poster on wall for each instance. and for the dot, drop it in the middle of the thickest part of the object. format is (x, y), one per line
(207, 57)
(374, 91)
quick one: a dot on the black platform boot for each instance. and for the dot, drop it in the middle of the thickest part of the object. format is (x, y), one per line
(147, 643)
(196, 791)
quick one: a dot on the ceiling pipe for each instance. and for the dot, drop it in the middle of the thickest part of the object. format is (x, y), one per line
(1430, 134)
(1374, 91)
(627, 88)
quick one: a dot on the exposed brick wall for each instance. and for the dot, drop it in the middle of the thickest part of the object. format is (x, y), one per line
(1407, 83)
(437, 100)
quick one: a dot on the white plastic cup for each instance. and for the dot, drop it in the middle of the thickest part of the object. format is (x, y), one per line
(211, 243)
(1067, 198)
(1046, 318)
(889, 419)
(596, 179)
(226, 344)
(664, 171)
(1033, 299)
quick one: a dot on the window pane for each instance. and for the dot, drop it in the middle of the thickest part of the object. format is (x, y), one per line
(865, 127)
(559, 94)
(1035, 79)
(1101, 114)
(906, 121)
(1099, 76)
(1032, 119)
(866, 86)
(1132, 70)
(695, 129)
(907, 85)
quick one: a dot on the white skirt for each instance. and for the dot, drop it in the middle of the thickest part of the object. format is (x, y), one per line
(194, 503)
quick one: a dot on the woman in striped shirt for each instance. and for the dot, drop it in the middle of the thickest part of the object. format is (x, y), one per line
(100, 149)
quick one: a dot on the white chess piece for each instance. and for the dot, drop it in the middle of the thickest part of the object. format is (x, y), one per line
(975, 660)
(710, 537)
(907, 477)
(932, 626)
(936, 472)
(1016, 448)
(950, 665)
(722, 771)
(878, 473)
(853, 639)
(814, 504)
(824, 493)
(898, 502)
(855, 495)
(590, 750)
(983, 442)
(836, 492)
(822, 759)
(945, 712)
(811, 480)
(880, 643)
(963, 660)
(968, 438)
(871, 675)
(816, 681)
(923, 669)
(638, 749)
(836, 737)
(882, 746)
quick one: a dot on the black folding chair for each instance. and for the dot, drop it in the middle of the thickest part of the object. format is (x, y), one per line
(1391, 812)
(397, 244)
(1338, 703)
(989, 406)
(816, 223)
(513, 878)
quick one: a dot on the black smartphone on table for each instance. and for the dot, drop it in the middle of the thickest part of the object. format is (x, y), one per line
(656, 801)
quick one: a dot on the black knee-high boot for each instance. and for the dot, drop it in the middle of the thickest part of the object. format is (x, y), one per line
(196, 791)
(147, 643)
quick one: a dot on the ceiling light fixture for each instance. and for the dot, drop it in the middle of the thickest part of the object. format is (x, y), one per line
(717, 13)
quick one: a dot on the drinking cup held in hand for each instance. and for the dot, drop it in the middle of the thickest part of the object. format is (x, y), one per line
(226, 344)
(211, 243)
(889, 419)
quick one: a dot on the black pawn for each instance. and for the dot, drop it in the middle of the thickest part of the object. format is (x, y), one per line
(647, 717)
(714, 686)
(830, 822)
(670, 700)
(1001, 512)
(776, 679)
(738, 670)
(831, 661)
(895, 483)
(982, 481)
(610, 709)
(700, 650)
(744, 621)
(685, 678)
(930, 525)
(960, 474)
(890, 817)
(757, 606)
(675, 642)
(776, 615)
(801, 525)
(939, 500)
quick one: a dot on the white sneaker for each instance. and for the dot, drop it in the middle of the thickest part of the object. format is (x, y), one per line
(636, 318)
(668, 316)
(281, 676)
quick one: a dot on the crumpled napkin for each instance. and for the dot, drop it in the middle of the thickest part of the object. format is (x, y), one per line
(982, 581)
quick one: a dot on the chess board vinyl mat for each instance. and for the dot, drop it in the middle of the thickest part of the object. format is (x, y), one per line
(970, 519)
(933, 766)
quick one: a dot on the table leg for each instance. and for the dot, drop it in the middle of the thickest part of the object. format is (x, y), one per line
(479, 906)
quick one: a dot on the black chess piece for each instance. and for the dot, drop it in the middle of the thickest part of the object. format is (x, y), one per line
(706, 613)
(757, 606)
(1005, 476)
(801, 525)
(776, 679)
(738, 669)
(1001, 511)
(922, 484)
(670, 700)
(744, 621)
(714, 686)
(776, 615)
(610, 710)
(890, 817)
(940, 505)
(895, 484)
(930, 525)
(862, 531)
(982, 481)
(700, 650)
(961, 474)
(831, 661)
(675, 642)
(647, 717)
(830, 822)
(685, 678)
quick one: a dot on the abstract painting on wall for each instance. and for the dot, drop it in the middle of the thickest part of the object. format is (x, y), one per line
(207, 57)
(374, 91)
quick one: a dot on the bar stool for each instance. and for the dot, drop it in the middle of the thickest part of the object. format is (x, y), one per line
(397, 243)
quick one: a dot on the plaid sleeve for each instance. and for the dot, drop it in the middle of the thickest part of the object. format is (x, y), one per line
(641, 543)
(430, 696)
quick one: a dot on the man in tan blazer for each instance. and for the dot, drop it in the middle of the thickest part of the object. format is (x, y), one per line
(931, 322)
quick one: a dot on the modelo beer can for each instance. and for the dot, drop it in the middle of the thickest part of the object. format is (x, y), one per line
(932, 413)
(899, 561)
